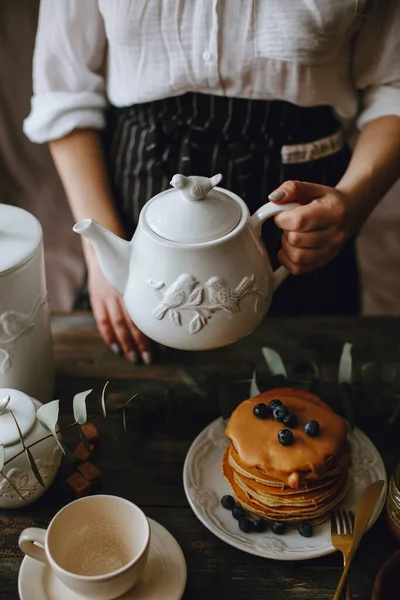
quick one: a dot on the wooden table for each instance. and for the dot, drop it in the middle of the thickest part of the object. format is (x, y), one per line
(145, 464)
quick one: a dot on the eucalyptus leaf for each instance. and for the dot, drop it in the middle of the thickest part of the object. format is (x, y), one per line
(394, 416)
(124, 417)
(2, 457)
(127, 403)
(28, 453)
(79, 407)
(34, 467)
(371, 374)
(346, 364)
(348, 403)
(21, 437)
(14, 487)
(66, 451)
(47, 416)
(254, 390)
(274, 362)
(190, 382)
(84, 440)
(103, 400)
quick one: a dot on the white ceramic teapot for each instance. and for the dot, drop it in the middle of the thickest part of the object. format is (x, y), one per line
(47, 456)
(195, 275)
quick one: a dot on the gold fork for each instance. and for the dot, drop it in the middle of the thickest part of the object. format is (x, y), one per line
(342, 526)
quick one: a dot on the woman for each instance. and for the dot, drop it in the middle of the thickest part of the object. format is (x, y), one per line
(129, 92)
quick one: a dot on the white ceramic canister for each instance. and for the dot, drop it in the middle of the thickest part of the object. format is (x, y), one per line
(44, 449)
(26, 356)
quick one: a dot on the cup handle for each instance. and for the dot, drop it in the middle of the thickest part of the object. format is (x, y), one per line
(29, 540)
(256, 222)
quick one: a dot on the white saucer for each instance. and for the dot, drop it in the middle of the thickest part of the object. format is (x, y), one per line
(205, 484)
(164, 577)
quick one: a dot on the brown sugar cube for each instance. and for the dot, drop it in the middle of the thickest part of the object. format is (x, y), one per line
(80, 452)
(78, 485)
(90, 431)
(90, 472)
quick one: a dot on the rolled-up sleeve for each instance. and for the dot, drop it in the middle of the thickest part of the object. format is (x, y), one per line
(377, 62)
(68, 70)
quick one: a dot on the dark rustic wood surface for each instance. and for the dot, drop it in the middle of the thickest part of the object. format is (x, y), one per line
(145, 464)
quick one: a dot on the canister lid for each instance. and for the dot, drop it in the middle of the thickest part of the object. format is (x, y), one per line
(20, 235)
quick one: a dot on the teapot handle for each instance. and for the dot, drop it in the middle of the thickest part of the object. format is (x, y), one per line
(256, 222)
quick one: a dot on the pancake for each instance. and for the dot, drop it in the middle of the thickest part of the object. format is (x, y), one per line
(333, 466)
(306, 504)
(303, 481)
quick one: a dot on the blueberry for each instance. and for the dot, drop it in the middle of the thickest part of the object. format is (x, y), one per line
(285, 437)
(311, 428)
(258, 525)
(278, 527)
(227, 502)
(305, 529)
(261, 411)
(280, 412)
(274, 403)
(290, 421)
(238, 512)
(245, 525)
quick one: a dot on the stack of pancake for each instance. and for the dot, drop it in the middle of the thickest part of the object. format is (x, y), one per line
(303, 481)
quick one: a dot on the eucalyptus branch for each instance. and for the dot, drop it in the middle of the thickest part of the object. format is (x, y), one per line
(46, 437)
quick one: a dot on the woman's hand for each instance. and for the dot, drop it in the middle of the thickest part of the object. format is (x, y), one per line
(315, 232)
(114, 323)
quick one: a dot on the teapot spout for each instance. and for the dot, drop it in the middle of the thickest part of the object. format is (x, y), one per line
(113, 253)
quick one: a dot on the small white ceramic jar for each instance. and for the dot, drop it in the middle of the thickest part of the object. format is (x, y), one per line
(17, 468)
(26, 358)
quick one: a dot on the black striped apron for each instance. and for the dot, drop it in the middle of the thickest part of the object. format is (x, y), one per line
(198, 134)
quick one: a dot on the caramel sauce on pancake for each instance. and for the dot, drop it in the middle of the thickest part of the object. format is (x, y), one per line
(256, 446)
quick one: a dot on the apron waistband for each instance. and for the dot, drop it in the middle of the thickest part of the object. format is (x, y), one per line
(303, 153)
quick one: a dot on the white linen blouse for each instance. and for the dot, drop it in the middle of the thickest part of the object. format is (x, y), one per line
(88, 53)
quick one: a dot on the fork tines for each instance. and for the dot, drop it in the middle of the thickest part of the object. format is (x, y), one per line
(342, 522)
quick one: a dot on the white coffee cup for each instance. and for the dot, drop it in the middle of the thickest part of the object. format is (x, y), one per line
(97, 546)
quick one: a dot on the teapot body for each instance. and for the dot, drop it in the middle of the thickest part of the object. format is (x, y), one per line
(198, 296)
(196, 275)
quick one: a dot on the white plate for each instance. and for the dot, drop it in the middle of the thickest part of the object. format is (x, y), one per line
(164, 577)
(205, 484)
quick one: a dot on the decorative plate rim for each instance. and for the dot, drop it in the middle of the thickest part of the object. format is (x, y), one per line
(212, 436)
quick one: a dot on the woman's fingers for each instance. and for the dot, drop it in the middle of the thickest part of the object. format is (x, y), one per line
(104, 325)
(114, 323)
(120, 322)
(302, 260)
(142, 342)
(313, 239)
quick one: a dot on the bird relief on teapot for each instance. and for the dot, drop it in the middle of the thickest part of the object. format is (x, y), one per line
(13, 324)
(186, 293)
(23, 482)
(194, 187)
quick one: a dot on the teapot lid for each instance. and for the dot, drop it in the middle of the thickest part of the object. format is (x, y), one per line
(23, 410)
(20, 235)
(194, 211)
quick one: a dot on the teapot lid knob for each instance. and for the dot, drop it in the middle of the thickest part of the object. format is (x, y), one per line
(15, 406)
(195, 187)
